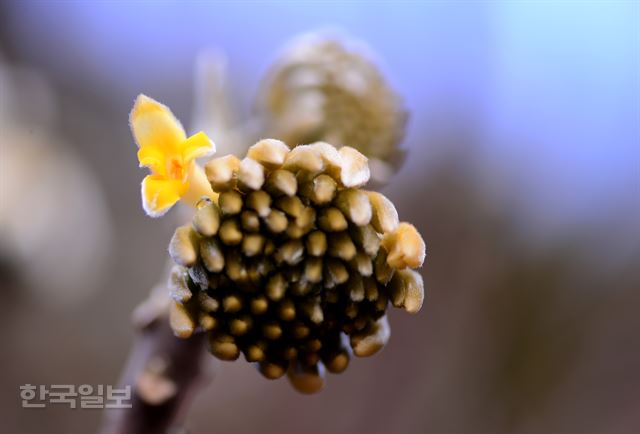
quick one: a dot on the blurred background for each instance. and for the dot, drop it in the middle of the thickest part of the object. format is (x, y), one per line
(523, 175)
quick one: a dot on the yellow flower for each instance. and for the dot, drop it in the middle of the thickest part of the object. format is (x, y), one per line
(170, 156)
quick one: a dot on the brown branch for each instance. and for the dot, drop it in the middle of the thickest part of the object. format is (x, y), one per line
(164, 373)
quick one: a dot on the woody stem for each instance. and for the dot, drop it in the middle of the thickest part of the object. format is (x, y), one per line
(164, 373)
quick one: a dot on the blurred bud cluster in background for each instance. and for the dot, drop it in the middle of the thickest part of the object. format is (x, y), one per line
(520, 166)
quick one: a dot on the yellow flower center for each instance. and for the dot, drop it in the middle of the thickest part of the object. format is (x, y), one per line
(176, 168)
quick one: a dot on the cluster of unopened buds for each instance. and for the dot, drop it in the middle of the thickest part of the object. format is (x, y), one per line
(287, 260)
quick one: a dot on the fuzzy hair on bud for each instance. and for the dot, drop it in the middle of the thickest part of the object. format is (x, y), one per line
(405, 247)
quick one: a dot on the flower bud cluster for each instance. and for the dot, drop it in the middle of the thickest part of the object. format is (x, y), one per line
(295, 264)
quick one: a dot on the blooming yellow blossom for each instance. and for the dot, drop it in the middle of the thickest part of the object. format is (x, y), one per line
(170, 156)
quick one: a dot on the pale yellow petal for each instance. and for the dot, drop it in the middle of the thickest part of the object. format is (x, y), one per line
(159, 194)
(153, 158)
(153, 125)
(196, 146)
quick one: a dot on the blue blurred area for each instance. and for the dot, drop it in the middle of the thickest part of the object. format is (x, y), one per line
(553, 86)
(523, 176)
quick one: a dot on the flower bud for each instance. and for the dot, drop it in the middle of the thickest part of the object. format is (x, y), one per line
(288, 268)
